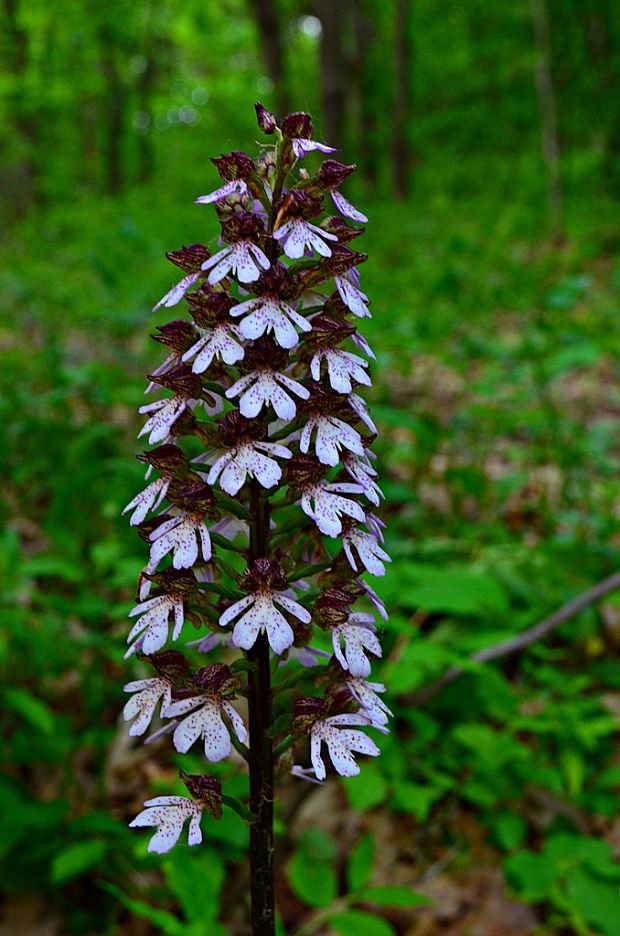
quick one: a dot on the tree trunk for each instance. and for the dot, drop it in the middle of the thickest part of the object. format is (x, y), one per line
(548, 115)
(22, 189)
(364, 112)
(332, 70)
(114, 116)
(146, 83)
(266, 15)
(401, 148)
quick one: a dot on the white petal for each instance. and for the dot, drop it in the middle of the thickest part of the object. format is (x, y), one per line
(235, 609)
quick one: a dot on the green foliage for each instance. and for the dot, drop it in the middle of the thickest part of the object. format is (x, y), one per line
(311, 873)
(496, 397)
(578, 875)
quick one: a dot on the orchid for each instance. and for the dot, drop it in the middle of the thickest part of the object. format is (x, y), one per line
(221, 342)
(298, 236)
(248, 458)
(359, 637)
(342, 367)
(264, 388)
(164, 414)
(259, 499)
(341, 743)
(266, 314)
(152, 627)
(205, 721)
(370, 553)
(185, 537)
(261, 615)
(244, 259)
(142, 705)
(169, 813)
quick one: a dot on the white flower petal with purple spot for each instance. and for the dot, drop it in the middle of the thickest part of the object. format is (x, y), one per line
(164, 415)
(261, 616)
(205, 722)
(169, 813)
(185, 537)
(359, 636)
(262, 388)
(244, 259)
(368, 549)
(341, 743)
(353, 298)
(342, 368)
(298, 235)
(346, 209)
(148, 499)
(177, 292)
(142, 705)
(218, 343)
(152, 627)
(332, 434)
(267, 313)
(234, 187)
(322, 502)
(301, 147)
(233, 467)
(366, 694)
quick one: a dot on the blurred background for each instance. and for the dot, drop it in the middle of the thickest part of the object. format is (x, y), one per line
(488, 142)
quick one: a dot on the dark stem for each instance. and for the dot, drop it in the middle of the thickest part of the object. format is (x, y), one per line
(261, 748)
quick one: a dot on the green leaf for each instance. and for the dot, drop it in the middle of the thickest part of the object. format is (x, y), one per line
(314, 883)
(361, 924)
(196, 881)
(166, 922)
(596, 900)
(415, 798)
(366, 790)
(393, 895)
(509, 830)
(33, 710)
(359, 867)
(317, 845)
(76, 859)
(457, 590)
(237, 806)
(531, 875)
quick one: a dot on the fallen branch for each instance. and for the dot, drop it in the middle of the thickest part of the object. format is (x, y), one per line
(523, 640)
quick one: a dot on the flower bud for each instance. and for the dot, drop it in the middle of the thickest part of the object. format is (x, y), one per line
(170, 665)
(205, 790)
(237, 165)
(189, 258)
(332, 174)
(266, 120)
(297, 126)
(306, 712)
(216, 679)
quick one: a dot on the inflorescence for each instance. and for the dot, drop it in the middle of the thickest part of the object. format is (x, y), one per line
(262, 422)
